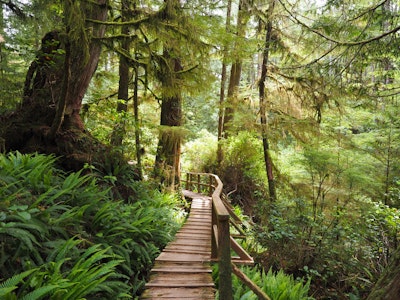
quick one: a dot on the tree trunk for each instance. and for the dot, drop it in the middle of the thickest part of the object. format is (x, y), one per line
(235, 74)
(28, 128)
(118, 133)
(167, 165)
(139, 150)
(263, 113)
(220, 155)
(388, 285)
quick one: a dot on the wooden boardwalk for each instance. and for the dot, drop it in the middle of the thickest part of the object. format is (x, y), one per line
(182, 270)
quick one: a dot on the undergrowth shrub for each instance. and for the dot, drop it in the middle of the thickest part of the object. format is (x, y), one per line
(62, 236)
(243, 171)
(342, 254)
(200, 155)
(277, 285)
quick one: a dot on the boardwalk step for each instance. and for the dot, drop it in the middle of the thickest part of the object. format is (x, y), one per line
(180, 280)
(183, 257)
(187, 251)
(179, 284)
(179, 293)
(181, 270)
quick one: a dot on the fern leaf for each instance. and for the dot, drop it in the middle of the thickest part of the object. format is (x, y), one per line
(40, 292)
(12, 283)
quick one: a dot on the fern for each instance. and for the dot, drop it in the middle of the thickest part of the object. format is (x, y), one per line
(88, 275)
(84, 243)
(278, 286)
(11, 284)
(40, 292)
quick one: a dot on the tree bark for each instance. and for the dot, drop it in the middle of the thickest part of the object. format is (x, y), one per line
(221, 113)
(388, 285)
(263, 113)
(235, 73)
(123, 86)
(49, 87)
(139, 149)
(167, 164)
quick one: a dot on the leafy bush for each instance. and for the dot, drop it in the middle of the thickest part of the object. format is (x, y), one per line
(343, 253)
(61, 235)
(200, 155)
(243, 170)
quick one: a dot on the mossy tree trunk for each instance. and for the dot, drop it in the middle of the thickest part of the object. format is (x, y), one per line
(388, 285)
(263, 104)
(48, 119)
(119, 132)
(167, 165)
(235, 72)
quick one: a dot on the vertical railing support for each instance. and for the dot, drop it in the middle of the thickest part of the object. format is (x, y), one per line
(223, 242)
(210, 185)
(224, 254)
(198, 183)
(188, 181)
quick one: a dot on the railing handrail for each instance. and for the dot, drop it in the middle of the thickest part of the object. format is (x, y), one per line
(221, 240)
(219, 206)
(220, 235)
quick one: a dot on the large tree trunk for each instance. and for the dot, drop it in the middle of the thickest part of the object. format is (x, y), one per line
(236, 73)
(388, 286)
(118, 133)
(167, 164)
(51, 87)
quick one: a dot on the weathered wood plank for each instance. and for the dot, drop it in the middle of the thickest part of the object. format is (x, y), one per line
(166, 256)
(180, 279)
(179, 293)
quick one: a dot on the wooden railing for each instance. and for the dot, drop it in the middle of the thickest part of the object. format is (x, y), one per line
(222, 242)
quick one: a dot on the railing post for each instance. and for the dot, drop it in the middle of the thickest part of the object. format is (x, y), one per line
(214, 234)
(210, 186)
(191, 181)
(224, 254)
(187, 181)
(198, 184)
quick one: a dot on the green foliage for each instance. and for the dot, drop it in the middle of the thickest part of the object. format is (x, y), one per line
(200, 155)
(346, 249)
(243, 170)
(66, 237)
(277, 285)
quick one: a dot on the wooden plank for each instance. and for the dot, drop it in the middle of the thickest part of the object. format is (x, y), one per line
(166, 256)
(180, 284)
(199, 266)
(181, 270)
(182, 239)
(180, 293)
(188, 248)
(185, 236)
(181, 279)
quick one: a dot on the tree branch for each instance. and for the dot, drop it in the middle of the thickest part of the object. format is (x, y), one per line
(339, 42)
